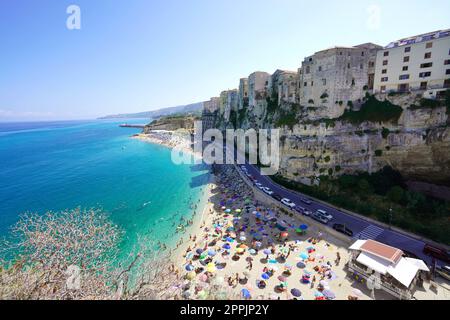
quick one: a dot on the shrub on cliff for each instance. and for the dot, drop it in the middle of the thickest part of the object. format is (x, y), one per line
(373, 110)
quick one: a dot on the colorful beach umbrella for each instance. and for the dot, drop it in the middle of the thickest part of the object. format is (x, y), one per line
(212, 253)
(304, 227)
(296, 293)
(199, 251)
(211, 267)
(265, 276)
(304, 255)
(329, 294)
(189, 267)
(227, 246)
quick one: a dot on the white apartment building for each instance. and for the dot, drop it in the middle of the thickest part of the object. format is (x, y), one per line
(419, 63)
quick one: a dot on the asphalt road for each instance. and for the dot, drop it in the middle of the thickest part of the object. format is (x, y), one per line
(361, 228)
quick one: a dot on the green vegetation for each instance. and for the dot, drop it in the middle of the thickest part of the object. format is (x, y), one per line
(287, 118)
(385, 133)
(427, 104)
(373, 196)
(327, 159)
(324, 95)
(378, 153)
(447, 101)
(374, 111)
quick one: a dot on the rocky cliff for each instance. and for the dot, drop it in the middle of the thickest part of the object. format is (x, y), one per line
(172, 124)
(405, 131)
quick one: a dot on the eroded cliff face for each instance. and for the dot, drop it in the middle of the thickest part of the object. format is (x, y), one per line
(171, 124)
(417, 144)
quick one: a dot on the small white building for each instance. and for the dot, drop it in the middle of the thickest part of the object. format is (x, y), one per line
(420, 63)
(257, 87)
(386, 267)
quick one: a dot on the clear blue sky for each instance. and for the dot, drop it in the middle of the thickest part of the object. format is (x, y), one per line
(139, 55)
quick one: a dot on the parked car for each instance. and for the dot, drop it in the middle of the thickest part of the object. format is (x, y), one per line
(276, 197)
(259, 185)
(325, 214)
(319, 217)
(300, 209)
(288, 202)
(343, 229)
(436, 252)
(307, 201)
(307, 213)
(243, 168)
(267, 191)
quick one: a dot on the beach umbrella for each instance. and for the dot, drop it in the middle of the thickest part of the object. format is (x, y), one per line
(211, 267)
(199, 251)
(212, 252)
(296, 293)
(282, 279)
(299, 230)
(204, 278)
(301, 265)
(191, 275)
(304, 227)
(228, 211)
(229, 239)
(304, 255)
(252, 251)
(267, 251)
(257, 237)
(240, 250)
(243, 238)
(288, 266)
(190, 267)
(318, 294)
(258, 244)
(329, 294)
(284, 234)
(246, 294)
(238, 210)
(204, 255)
(243, 246)
(265, 276)
(202, 295)
(227, 246)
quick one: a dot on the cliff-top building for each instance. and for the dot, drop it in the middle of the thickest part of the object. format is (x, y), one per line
(337, 77)
(418, 63)
(284, 84)
(257, 87)
(243, 93)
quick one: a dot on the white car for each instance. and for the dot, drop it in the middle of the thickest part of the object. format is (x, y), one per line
(243, 168)
(259, 185)
(288, 202)
(267, 191)
(323, 213)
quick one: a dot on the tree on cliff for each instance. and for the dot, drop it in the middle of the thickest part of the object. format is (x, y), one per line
(72, 255)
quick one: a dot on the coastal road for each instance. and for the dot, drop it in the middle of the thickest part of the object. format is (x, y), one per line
(362, 229)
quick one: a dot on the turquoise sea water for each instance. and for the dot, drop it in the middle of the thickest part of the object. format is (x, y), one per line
(63, 165)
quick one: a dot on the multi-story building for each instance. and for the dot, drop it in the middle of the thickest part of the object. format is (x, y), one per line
(284, 84)
(257, 87)
(243, 93)
(212, 105)
(337, 77)
(232, 100)
(419, 63)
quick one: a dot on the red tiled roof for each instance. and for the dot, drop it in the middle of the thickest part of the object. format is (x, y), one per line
(381, 250)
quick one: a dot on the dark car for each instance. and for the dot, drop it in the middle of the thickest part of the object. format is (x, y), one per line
(299, 209)
(343, 229)
(307, 201)
(436, 252)
(277, 197)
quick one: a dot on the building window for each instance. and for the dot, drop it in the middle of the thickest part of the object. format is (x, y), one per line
(405, 68)
(427, 55)
(426, 65)
(348, 65)
(407, 49)
(385, 62)
(384, 71)
(386, 54)
(446, 62)
(404, 77)
(353, 82)
(406, 59)
(383, 88)
(320, 68)
(429, 45)
(447, 71)
(308, 69)
(305, 84)
(312, 83)
(424, 74)
(423, 85)
(447, 83)
(361, 66)
(385, 79)
(324, 82)
(371, 64)
(362, 54)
